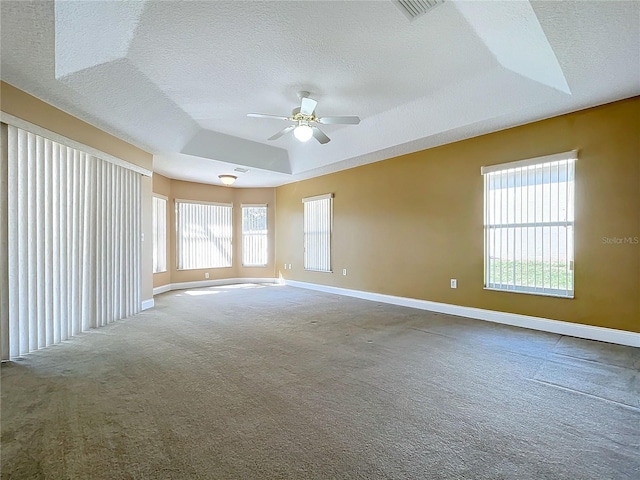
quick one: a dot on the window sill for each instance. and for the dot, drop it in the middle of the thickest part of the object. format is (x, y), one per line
(526, 292)
(202, 268)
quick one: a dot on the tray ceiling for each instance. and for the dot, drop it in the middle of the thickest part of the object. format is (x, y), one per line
(178, 78)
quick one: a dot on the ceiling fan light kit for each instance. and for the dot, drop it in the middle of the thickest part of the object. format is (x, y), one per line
(305, 117)
(303, 132)
(227, 179)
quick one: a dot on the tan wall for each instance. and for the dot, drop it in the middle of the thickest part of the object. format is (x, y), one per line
(147, 240)
(407, 225)
(178, 189)
(22, 105)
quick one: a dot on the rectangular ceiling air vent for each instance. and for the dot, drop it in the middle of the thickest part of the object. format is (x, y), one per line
(241, 170)
(416, 8)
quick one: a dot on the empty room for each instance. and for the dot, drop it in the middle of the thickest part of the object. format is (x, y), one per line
(319, 239)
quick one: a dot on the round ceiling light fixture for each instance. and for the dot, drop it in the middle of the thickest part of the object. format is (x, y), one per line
(303, 132)
(227, 179)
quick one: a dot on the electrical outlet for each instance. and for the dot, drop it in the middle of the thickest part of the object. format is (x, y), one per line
(206, 275)
(285, 266)
(454, 283)
(289, 266)
(344, 271)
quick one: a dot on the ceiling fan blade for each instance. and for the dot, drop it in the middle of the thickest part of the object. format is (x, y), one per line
(266, 115)
(318, 135)
(349, 120)
(307, 106)
(282, 132)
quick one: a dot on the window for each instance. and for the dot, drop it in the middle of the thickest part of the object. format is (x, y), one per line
(204, 234)
(159, 234)
(317, 232)
(529, 215)
(254, 235)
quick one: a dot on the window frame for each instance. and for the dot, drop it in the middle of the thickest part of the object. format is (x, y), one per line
(325, 228)
(532, 166)
(265, 234)
(180, 240)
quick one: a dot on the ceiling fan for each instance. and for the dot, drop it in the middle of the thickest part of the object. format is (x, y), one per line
(304, 118)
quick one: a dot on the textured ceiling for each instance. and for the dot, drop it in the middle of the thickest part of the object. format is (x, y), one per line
(178, 78)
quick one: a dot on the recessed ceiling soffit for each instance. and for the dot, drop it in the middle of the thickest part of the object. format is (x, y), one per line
(509, 31)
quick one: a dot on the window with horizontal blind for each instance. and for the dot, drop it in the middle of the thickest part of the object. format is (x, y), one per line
(204, 235)
(529, 225)
(159, 234)
(317, 232)
(254, 236)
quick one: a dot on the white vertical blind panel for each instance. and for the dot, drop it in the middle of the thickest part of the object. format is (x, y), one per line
(23, 250)
(204, 234)
(317, 232)
(48, 260)
(74, 242)
(4, 246)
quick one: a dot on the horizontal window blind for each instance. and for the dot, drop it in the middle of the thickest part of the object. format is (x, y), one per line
(529, 225)
(74, 242)
(254, 236)
(204, 235)
(317, 232)
(159, 234)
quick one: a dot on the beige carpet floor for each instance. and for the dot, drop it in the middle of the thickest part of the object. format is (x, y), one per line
(269, 382)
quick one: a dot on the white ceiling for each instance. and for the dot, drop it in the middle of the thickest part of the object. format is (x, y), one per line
(178, 78)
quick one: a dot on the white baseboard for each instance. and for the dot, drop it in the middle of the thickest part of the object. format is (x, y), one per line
(211, 283)
(162, 289)
(147, 304)
(589, 332)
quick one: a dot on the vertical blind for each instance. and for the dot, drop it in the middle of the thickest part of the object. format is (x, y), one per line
(254, 236)
(74, 242)
(159, 234)
(4, 245)
(529, 225)
(204, 235)
(317, 232)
